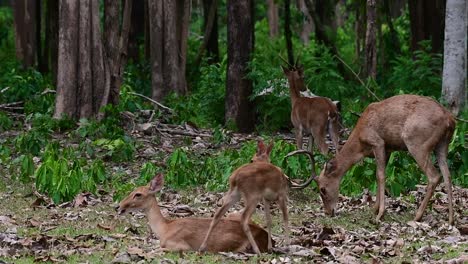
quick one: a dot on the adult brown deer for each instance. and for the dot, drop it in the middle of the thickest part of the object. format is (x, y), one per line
(187, 233)
(414, 123)
(259, 180)
(315, 116)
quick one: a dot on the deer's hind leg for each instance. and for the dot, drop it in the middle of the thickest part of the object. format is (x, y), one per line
(441, 153)
(232, 197)
(250, 205)
(268, 221)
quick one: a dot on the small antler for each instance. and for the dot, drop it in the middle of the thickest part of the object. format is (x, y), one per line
(291, 67)
(313, 176)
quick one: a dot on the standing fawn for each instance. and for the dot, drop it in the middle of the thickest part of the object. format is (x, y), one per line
(315, 116)
(259, 180)
(187, 233)
(414, 123)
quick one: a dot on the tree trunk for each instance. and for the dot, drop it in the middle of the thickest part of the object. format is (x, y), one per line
(52, 33)
(371, 47)
(287, 31)
(41, 61)
(273, 18)
(24, 12)
(137, 30)
(83, 79)
(307, 24)
(454, 89)
(155, 10)
(168, 45)
(239, 108)
(427, 23)
(111, 44)
(360, 29)
(67, 75)
(210, 26)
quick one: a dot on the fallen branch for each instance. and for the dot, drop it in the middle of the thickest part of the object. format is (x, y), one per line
(461, 120)
(153, 101)
(183, 133)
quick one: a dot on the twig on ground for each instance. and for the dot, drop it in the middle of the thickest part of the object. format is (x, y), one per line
(153, 101)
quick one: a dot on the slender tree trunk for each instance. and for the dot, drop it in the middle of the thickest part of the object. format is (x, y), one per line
(307, 24)
(183, 11)
(454, 88)
(239, 108)
(287, 31)
(371, 42)
(53, 32)
(273, 18)
(41, 61)
(24, 12)
(210, 26)
(137, 29)
(155, 12)
(360, 29)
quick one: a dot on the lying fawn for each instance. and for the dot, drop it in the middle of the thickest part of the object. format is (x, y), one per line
(255, 181)
(315, 116)
(414, 123)
(187, 233)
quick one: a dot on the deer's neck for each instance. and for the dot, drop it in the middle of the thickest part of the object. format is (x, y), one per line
(294, 92)
(156, 220)
(350, 154)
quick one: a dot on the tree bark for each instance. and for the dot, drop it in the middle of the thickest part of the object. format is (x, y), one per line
(67, 75)
(273, 18)
(168, 46)
(371, 43)
(210, 26)
(307, 23)
(137, 30)
(239, 108)
(287, 31)
(24, 13)
(427, 23)
(83, 78)
(155, 13)
(454, 88)
(52, 34)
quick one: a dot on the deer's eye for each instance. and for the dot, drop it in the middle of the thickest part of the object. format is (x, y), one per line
(137, 195)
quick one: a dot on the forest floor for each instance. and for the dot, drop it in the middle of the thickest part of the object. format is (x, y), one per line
(88, 229)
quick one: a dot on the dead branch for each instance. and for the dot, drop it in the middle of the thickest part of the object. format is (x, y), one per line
(183, 133)
(153, 101)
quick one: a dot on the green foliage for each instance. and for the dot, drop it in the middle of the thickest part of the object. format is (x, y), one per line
(458, 154)
(5, 154)
(120, 149)
(213, 171)
(6, 33)
(421, 75)
(205, 105)
(26, 167)
(5, 122)
(30, 142)
(63, 174)
(148, 171)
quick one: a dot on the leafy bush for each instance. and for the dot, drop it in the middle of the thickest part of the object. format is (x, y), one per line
(63, 175)
(5, 122)
(31, 142)
(120, 149)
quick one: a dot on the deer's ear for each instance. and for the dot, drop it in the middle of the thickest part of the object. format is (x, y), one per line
(270, 147)
(260, 147)
(156, 183)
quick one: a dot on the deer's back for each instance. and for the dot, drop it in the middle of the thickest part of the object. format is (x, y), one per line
(261, 178)
(307, 112)
(404, 117)
(227, 235)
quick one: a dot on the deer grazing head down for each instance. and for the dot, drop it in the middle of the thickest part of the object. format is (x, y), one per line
(414, 123)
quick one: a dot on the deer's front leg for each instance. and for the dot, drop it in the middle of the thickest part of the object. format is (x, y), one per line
(381, 160)
(298, 131)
